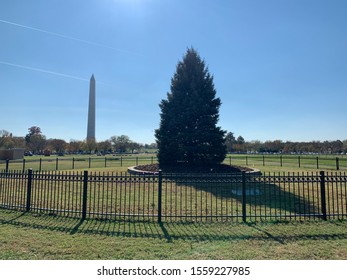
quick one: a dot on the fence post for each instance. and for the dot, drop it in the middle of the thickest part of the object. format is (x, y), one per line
(337, 164)
(281, 160)
(317, 158)
(121, 161)
(85, 191)
(23, 164)
(7, 163)
(263, 160)
(244, 196)
(137, 161)
(89, 162)
(246, 160)
(322, 195)
(73, 163)
(160, 189)
(30, 177)
(299, 161)
(105, 162)
(56, 163)
(40, 164)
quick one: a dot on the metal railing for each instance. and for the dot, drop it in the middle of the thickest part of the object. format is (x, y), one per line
(177, 197)
(330, 162)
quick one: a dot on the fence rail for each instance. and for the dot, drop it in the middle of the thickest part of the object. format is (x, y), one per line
(84, 162)
(177, 197)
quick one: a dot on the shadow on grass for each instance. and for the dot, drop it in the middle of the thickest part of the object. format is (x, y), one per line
(262, 195)
(281, 232)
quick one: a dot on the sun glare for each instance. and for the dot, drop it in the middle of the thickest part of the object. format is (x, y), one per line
(135, 7)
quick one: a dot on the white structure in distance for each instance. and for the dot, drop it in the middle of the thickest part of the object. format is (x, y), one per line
(91, 111)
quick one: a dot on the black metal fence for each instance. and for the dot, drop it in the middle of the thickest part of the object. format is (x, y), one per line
(70, 163)
(296, 161)
(177, 197)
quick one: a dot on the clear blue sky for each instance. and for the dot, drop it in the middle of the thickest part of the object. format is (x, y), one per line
(280, 67)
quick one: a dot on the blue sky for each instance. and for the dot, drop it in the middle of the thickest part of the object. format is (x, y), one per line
(279, 67)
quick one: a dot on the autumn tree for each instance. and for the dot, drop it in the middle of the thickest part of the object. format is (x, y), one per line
(35, 140)
(57, 145)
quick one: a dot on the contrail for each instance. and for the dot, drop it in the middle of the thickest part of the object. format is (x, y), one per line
(52, 73)
(66, 37)
(42, 70)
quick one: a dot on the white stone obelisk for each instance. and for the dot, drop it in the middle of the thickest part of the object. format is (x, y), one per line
(91, 111)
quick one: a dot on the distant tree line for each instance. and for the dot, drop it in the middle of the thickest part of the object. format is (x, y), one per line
(239, 145)
(36, 143)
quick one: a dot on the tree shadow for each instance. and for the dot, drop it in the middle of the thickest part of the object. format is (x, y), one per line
(265, 197)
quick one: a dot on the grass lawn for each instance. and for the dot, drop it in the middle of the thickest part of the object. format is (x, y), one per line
(33, 236)
(266, 163)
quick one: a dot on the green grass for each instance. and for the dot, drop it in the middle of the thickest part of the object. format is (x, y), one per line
(32, 236)
(288, 163)
(42, 236)
(79, 162)
(270, 163)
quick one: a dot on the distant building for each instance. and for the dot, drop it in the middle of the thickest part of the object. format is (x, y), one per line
(11, 154)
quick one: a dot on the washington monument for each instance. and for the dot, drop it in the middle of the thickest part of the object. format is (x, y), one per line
(91, 111)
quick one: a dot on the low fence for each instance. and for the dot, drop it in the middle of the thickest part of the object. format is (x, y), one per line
(84, 162)
(296, 161)
(71, 163)
(177, 197)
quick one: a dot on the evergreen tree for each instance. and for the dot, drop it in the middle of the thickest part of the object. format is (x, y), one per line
(188, 131)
